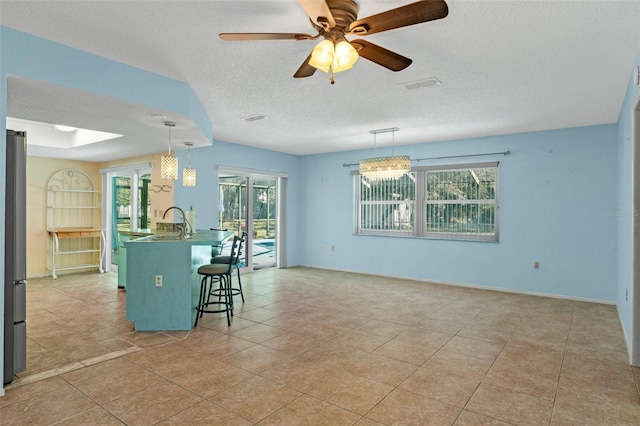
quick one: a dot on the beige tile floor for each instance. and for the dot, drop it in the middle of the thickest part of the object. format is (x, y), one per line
(318, 347)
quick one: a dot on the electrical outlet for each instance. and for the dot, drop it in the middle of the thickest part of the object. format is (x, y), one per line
(536, 265)
(158, 280)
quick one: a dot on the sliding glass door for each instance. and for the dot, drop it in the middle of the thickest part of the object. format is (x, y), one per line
(248, 203)
(264, 222)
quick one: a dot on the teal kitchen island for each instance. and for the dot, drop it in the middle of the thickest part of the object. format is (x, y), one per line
(163, 285)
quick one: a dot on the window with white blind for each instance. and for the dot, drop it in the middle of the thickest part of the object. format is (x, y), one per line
(387, 207)
(452, 202)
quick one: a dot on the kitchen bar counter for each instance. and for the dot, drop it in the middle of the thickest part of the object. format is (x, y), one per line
(140, 232)
(163, 284)
(125, 235)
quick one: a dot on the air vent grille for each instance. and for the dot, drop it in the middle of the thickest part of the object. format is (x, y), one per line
(254, 117)
(427, 82)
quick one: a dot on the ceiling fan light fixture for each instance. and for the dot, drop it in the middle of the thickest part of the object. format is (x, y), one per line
(322, 55)
(333, 19)
(345, 56)
(330, 56)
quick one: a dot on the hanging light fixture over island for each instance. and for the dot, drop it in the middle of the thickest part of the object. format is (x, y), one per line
(169, 162)
(189, 173)
(385, 168)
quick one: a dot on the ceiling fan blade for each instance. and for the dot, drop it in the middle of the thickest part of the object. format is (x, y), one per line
(264, 36)
(403, 16)
(319, 13)
(305, 69)
(381, 56)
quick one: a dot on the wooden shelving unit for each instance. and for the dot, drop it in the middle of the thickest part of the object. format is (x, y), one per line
(75, 240)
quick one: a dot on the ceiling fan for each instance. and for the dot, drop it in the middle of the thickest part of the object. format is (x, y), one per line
(334, 19)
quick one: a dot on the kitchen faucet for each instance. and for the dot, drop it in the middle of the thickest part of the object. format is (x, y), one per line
(185, 223)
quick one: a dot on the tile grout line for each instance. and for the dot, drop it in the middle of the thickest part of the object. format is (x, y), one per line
(564, 354)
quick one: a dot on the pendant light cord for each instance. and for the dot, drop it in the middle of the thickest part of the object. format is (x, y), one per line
(393, 142)
(170, 125)
(375, 145)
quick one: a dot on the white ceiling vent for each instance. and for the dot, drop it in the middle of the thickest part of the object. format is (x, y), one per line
(427, 82)
(254, 117)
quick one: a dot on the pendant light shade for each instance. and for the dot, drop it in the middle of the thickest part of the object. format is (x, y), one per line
(169, 162)
(385, 168)
(169, 167)
(189, 176)
(189, 173)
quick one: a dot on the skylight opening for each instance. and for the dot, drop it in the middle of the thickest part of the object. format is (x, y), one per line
(63, 137)
(62, 128)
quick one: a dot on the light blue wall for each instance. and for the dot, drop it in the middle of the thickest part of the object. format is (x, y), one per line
(625, 207)
(204, 196)
(556, 189)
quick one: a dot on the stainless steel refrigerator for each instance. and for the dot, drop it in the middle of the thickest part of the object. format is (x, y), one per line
(15, 257)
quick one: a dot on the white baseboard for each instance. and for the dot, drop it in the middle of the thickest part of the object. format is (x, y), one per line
(481, 287)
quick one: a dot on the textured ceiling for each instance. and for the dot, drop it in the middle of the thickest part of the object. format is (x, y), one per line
(505, 67)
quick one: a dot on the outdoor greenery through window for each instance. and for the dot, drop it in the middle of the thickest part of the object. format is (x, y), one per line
(123, 202)
(452, 202)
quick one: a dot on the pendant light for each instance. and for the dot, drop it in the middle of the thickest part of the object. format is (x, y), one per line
(385, 168)
(189, 174)
(169, 162)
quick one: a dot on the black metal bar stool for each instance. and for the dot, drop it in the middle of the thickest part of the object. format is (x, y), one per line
(217, 249)
(235, 265)
(217, 275)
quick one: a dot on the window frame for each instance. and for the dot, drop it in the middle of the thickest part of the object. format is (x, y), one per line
(420, 203)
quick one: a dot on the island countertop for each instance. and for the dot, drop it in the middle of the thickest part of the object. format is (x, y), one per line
(201, 237)
(163, 285)
(140, 232)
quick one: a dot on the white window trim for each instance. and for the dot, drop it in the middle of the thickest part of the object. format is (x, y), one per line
(420, 203)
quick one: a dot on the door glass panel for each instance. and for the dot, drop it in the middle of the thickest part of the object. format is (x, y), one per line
(231, 211)
(121, 212)
(234, 204)
(232, 208)
(264, 222)
(123, 206)
(144, 201)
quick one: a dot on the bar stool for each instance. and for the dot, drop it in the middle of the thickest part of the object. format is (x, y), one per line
(220, 275)
(236, 265)
(217, 249)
